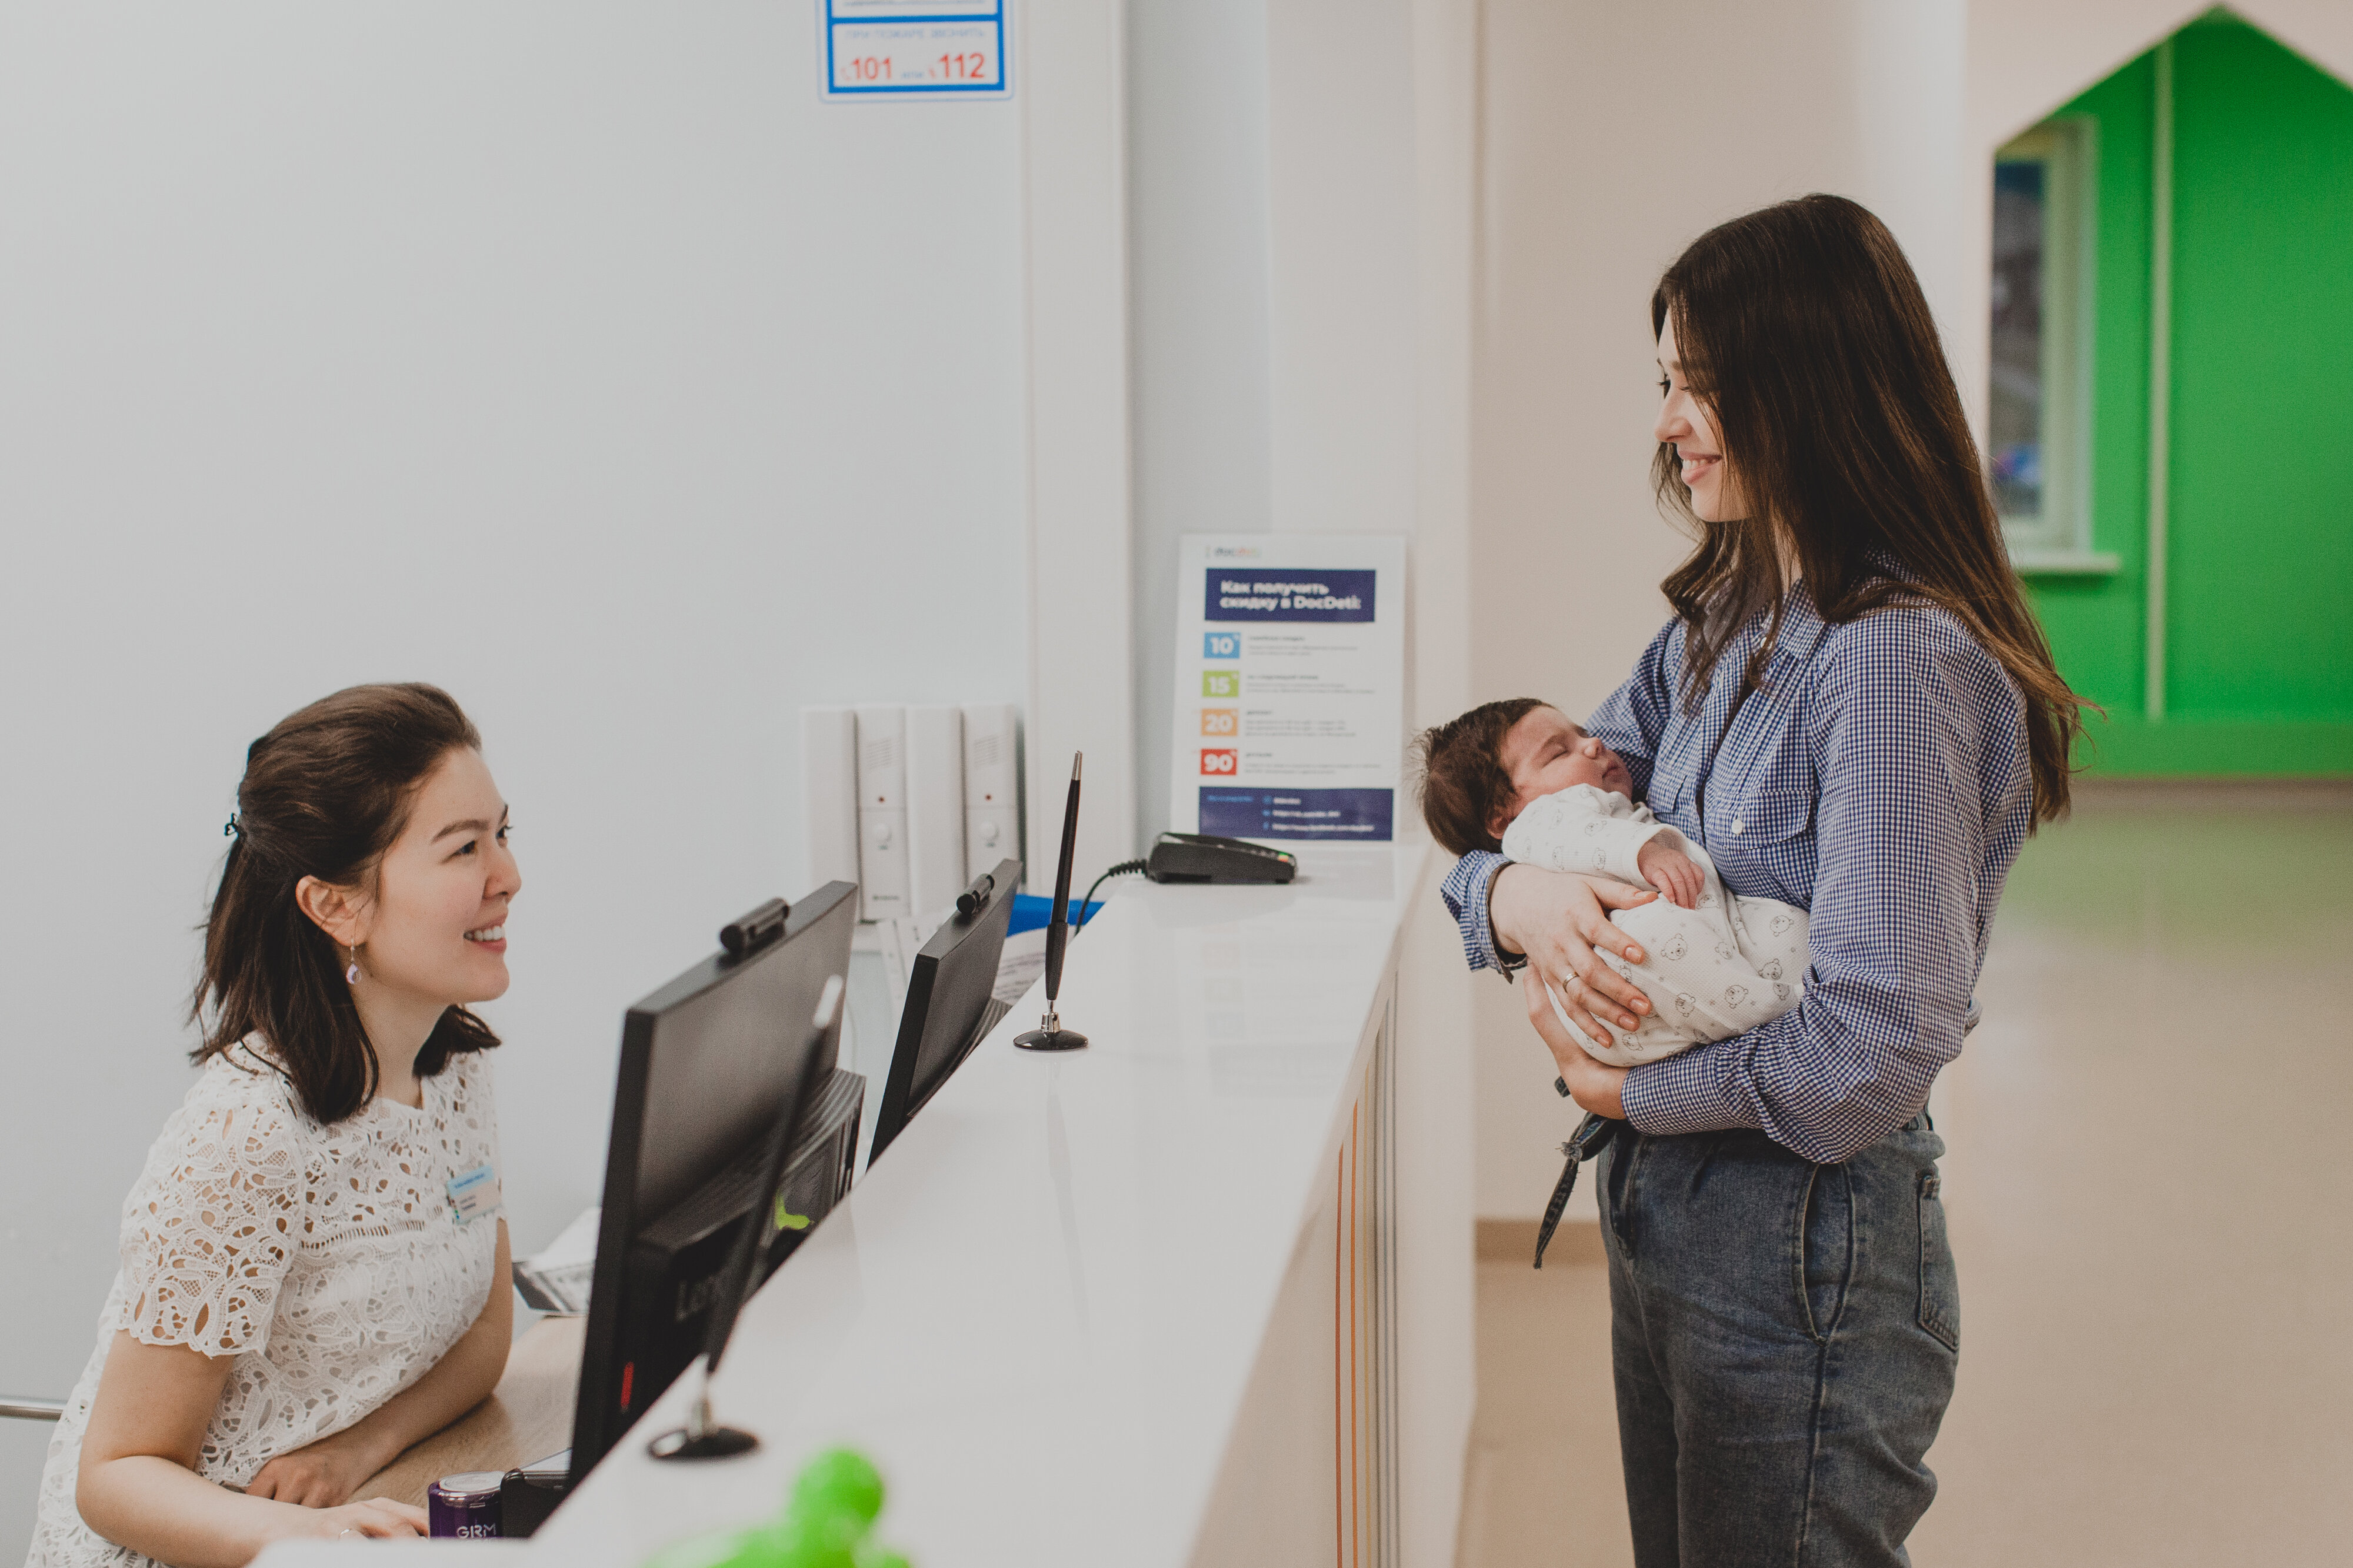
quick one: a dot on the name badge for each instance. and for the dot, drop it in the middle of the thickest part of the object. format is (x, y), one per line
(475, 1193)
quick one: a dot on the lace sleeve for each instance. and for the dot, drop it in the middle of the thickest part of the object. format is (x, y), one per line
(209, 1232)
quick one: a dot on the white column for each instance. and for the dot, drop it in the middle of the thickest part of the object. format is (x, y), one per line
(1304, 178)
(1341, 264)
(1371, 179)
(1082, 695)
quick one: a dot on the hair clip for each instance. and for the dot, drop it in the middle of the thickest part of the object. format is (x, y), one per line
(232, 828)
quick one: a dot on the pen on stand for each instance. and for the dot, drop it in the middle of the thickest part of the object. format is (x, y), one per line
(1049, 1035)
(1058, 935)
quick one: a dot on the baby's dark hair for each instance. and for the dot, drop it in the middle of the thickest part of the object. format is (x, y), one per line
(1462, 775)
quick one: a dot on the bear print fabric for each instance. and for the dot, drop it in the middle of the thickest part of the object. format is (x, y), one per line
(1711, 973)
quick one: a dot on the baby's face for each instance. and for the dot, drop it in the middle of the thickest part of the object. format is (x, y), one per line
(1546, 754)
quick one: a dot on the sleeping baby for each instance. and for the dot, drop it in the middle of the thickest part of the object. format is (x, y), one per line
(1518, 777)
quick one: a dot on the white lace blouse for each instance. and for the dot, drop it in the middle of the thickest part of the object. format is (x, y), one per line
(328, 1260)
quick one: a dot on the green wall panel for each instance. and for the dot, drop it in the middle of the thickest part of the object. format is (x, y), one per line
(2126, 745)
(2260, 602)
(2262, 382)
(2095, 624)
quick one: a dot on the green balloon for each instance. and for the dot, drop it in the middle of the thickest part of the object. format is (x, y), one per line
(838, 1481)
(834, 1503)
(818, 1541)
(762, 1549)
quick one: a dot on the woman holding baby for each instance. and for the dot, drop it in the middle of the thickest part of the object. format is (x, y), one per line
(1854, 714)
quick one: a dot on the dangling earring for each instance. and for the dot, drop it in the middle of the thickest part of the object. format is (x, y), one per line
(352, 976)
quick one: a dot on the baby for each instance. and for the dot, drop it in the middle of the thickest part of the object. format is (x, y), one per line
(1518, 776)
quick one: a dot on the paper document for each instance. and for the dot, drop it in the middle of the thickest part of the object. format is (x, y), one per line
(557, 1277)
(1021, 966)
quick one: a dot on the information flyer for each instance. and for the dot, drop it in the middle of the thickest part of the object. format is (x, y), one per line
(1289, 686)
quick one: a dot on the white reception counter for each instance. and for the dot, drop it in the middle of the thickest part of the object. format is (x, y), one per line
(1158, 1303)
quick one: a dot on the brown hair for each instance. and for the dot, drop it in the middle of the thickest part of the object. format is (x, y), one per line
(324, 795)
(1803, 329)
(1462, 775)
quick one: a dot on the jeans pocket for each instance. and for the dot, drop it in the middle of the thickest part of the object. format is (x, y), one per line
(1940, 1285)
(1825, 1249)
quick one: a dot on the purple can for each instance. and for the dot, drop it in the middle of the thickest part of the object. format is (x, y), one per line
(466, 1507)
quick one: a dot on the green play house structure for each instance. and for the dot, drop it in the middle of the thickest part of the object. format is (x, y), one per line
(2172, 425)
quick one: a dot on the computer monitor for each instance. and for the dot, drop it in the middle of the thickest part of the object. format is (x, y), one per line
(950, 1006)
(707, 1064)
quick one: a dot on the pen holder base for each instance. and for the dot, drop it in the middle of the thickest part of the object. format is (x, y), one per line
(719, 1443)
(701, 1437)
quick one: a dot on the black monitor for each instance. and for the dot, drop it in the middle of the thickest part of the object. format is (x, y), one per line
(707, 1063)
(950, 1006)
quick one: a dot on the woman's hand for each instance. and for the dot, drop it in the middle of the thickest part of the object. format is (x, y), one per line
(1595, 1086)
(378, 1519)
(322, 1475)
(138, 1486)
(1558, 918)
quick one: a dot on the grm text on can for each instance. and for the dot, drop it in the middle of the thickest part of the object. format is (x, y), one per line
(466, 1507)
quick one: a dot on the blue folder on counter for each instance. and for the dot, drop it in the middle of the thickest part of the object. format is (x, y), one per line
(1033, 912)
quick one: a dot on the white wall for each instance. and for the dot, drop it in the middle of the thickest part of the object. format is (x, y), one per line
(577, 357)
(2025, 59)
(1198, 227)
(1300, 200)
(1075, 244)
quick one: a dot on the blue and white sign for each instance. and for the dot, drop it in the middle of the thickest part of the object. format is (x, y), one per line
(914, 49)
(1280, 596)
(1342, 814)
(1290, 687)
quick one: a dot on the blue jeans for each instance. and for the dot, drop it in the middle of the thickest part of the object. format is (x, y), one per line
(1784, 1336)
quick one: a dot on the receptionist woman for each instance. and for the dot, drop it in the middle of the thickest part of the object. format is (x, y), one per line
(314, 1273)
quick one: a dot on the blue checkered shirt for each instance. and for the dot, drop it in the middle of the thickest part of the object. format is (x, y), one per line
(1878, 778)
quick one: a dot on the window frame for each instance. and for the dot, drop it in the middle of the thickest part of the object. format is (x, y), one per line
(2059, 540)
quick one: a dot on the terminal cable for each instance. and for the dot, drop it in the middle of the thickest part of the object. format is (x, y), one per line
(1086, 905)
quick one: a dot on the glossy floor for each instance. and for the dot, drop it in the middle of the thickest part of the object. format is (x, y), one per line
(2151, 1196)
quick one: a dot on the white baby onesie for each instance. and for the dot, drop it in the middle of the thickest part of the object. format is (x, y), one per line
(1711, 973)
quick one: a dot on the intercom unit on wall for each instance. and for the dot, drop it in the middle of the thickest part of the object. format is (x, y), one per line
(882, 812)
(935, 855)
(908, 801)
(992, 786)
